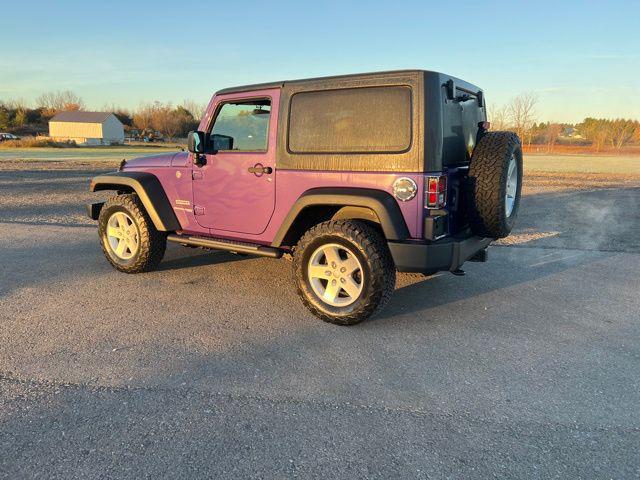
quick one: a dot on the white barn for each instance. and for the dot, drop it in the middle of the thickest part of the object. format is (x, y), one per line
(88, 128)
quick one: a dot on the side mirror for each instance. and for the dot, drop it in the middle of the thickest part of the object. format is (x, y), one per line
(196, 142)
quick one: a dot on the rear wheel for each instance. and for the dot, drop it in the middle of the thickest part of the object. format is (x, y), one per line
(128, 237)
(496, 175)
(344, 271)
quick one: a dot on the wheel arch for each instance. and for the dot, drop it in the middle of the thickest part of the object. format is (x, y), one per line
(338, 203)
(149, 191)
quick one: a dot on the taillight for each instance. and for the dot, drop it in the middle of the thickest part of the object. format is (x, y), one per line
(436, 192)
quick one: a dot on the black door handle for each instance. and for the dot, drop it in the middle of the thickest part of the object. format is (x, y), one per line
(258, 170)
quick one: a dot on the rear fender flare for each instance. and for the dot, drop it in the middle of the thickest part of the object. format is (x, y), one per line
(149, 190)
(380, 202)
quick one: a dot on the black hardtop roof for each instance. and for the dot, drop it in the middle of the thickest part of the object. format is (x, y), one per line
(264, 86)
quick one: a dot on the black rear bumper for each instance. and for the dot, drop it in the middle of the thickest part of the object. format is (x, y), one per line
(446, 254)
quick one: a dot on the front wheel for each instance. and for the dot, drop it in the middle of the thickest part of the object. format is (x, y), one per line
(344, 271)
(128, 237)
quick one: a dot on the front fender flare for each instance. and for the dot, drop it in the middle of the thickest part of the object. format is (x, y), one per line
(382, 203)
(149, 190)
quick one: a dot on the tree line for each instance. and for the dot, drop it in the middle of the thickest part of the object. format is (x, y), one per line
(17, 116)
(519, 115)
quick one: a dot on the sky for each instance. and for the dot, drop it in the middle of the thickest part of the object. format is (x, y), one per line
(578, 58)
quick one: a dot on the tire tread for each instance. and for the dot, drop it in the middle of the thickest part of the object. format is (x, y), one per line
(152, 242)
(373, 246)
(487, 212)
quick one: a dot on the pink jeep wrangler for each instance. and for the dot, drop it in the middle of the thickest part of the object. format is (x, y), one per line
(356, 176)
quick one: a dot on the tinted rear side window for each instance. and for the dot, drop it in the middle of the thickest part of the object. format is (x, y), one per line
(352, 120)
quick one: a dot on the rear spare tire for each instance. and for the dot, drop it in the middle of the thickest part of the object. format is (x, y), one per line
(495, 174)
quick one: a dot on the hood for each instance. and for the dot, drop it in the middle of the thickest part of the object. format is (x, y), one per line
(160, 160)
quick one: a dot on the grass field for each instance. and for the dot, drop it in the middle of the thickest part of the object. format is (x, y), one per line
(625, 165)
(98, 154)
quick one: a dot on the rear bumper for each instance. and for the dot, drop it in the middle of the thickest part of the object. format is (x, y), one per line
(446, 254)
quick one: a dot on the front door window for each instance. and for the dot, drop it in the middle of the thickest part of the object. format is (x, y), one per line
(242, 127)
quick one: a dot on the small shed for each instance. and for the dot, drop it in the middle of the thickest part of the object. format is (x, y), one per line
(88, 128)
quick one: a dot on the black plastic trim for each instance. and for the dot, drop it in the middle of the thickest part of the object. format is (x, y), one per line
(447, 254)
(93, 210)
(149, 190)
(228, 245)
(382, 203)
(435, 227)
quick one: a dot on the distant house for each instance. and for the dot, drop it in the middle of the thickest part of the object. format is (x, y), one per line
(88, 128)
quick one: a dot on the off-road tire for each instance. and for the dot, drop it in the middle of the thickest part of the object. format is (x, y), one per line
(370, 247)
(488, 178)
(152, 243)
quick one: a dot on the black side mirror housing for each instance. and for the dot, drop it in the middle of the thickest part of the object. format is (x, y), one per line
(220, 142)
(196, 142)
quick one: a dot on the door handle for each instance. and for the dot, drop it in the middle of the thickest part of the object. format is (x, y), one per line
(258, 170)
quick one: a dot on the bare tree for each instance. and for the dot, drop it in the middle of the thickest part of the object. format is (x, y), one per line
(498, 117)
(601, 131)
(164, 120)
(589, 128)
(622, 132)
(521, 114)
(20, 118)
(122, 114)
(143, 117)
(16, 104)
(194, 108)
(54, 102)
(551, 134)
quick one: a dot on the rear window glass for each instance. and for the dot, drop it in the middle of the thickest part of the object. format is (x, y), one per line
(353, 120)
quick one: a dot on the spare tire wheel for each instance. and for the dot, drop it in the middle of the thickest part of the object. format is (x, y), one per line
(495, 174)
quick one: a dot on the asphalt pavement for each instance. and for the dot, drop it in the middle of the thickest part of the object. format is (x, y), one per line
(527, 367)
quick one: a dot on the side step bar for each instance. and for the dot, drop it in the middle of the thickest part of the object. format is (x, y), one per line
(228, 245)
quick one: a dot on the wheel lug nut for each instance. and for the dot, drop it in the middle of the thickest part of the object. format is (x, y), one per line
(333, 282)
(333, 265)
(343, 269)
(328, 273)
(342, 280)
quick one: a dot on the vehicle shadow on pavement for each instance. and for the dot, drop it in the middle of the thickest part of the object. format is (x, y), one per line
(48, 253)
(199, 259)
(47, 223)
(587, 225)
(511, 266)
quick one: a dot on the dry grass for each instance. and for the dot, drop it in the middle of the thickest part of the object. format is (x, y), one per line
(37, 142)
(539, 182)
(583, 164)
(627, 150)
